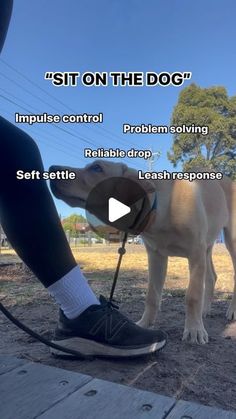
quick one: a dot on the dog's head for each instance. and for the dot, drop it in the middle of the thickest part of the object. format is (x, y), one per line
(75, 192)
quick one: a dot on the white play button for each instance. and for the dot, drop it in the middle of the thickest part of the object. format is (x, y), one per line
(116, 209)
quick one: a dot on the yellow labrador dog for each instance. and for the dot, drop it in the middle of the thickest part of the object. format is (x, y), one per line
(188, 218)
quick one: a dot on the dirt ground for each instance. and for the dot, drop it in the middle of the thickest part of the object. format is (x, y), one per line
(205, 374)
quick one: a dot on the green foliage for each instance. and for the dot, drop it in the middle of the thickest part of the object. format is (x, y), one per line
(70, 223)
(206, 107)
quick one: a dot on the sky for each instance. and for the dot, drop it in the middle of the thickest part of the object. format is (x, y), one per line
(111, 35)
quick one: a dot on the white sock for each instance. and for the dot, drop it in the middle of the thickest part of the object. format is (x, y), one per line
(72, 293)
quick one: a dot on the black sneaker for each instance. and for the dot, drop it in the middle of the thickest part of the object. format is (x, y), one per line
(101, 330)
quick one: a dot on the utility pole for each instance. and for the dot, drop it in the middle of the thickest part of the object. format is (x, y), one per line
(152, 160)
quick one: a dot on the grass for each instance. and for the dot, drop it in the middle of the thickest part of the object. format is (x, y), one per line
(99, 263)
(102, 262)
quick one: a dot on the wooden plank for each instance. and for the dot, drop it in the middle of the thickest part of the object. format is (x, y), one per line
(8, 363)
(28, 391)
(48, 393)
(106, 400)
(188, 410)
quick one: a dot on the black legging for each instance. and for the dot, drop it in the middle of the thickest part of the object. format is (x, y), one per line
(27, 211)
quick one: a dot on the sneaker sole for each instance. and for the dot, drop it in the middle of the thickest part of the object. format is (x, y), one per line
(89, 348)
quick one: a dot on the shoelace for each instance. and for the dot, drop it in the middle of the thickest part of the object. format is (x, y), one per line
(108, 303)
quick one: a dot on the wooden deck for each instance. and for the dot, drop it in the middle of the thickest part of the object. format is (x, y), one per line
(29, 390)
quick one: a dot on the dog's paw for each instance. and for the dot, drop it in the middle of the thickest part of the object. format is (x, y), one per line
(144, 322)
(196, 335)
(231, 312)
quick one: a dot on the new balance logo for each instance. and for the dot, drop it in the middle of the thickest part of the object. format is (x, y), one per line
(108, 327)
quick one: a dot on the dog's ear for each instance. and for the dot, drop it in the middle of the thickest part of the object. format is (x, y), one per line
(142, 206)
(124, 168)
(132, 174)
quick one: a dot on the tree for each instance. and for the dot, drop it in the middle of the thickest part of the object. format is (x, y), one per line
(206, 107)
(71, 223)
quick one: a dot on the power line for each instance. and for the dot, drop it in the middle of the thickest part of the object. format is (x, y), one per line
(60, 102)
(41, 138)
(88, 141)
(35, 96)
(55, 147)
(15, 97)
(28, 91)
(43, 133)
(27, 110)
(71, 145)
(53, 124)
(85, 139)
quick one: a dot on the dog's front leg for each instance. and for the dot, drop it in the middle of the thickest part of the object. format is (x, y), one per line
(157, 266)
(194, 330)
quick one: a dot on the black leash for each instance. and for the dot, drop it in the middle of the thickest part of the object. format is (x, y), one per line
(35, 335)
(47, 342)
(121, 252)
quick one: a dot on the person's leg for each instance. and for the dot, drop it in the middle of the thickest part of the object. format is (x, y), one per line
(31, 223)
(28, 214)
